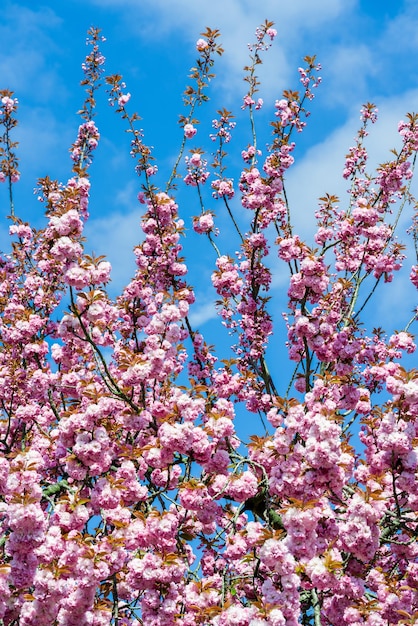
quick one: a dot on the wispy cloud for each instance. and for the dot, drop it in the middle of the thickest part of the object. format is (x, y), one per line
(115, 235)
(319, 171)
(202, 312)
(27, 46)
(163, 22)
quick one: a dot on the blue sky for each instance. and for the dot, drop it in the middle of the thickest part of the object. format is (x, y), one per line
(368, 51)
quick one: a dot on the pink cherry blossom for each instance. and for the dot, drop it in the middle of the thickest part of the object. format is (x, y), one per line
(124, 99)
(150, 477)
(189, 131)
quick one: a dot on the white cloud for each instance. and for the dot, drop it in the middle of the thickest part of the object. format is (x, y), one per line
(319, 171)
(347, 70)
(403, 29)
(301, 14)
(44, 141)
(115, 235)
(26, 49)
(203, 311)
(381, 309)
(177, 20)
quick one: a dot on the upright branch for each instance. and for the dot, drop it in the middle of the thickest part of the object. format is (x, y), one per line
(88, 136)
(195, 95)
(263, 34)
(8, 158)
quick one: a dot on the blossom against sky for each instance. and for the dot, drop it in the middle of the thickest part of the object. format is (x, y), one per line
(367, 49)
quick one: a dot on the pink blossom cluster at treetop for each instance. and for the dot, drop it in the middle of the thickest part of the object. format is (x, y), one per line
(128, 494)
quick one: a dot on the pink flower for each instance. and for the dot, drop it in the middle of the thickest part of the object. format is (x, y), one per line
(223, 188)
(403, 341)
(151, 170)
(196, 159)
(248, 101)
(243, 487)
(204, 223)
(124, 99)
(413, 275)
(201, 44)
(189, 131)
(9, 103)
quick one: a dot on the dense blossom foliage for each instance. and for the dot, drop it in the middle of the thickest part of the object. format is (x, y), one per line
(127, 493)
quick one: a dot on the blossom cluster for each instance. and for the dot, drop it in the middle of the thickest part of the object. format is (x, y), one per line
(130, 491)
(8, 158)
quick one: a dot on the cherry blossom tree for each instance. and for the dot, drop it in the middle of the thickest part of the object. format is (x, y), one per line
(128, 494)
